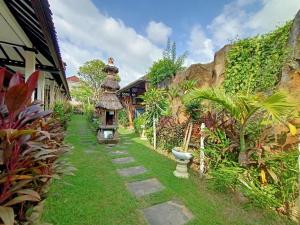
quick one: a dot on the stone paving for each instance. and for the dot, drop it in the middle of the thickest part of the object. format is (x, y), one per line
(132, 171)
(171, 213)
(167, 213)
(123, 160)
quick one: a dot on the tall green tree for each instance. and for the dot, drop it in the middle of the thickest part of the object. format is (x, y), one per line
(82, 93)
(166, 67)
(92, 75)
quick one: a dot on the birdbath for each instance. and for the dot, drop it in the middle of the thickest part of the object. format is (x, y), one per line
(182, 159)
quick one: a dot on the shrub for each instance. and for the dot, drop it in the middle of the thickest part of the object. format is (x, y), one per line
(62, 110)
(139, 122)
(30, 148)
(123, 118)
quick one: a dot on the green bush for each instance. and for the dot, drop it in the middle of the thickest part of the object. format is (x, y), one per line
(62, 110)
(138, 123)
(254, 64)
(123, 118)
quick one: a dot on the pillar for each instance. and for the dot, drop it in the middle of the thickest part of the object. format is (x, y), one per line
(29, 63)
(41, 87)
(52, 92)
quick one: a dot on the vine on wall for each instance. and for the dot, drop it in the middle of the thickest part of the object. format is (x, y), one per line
(254, 64)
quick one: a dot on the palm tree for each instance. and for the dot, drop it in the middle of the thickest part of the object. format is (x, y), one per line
(244, 108)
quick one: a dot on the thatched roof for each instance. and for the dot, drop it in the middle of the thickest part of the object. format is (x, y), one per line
(110, 69)
(110, 83)
(109, 100)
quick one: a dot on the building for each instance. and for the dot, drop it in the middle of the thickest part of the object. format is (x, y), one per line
(28, 43)
(73, 81)
(130, 97)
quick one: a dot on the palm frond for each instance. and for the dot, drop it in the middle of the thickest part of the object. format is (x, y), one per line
(217, 96)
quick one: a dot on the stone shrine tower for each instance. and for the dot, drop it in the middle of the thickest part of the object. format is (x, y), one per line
(108, 106)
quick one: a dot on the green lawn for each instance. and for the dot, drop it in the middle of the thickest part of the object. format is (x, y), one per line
(97, 195)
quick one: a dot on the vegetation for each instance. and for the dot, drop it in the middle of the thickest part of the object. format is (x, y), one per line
(248, 108)
(166, 67)
(82, 93)
(31, 145)
(255, 64)
(104, 192)
(62, 110)
(92, 76)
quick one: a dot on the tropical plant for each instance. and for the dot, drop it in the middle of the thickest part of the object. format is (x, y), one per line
(166, 67)
(62, 110)
(30, 146)
(246, 108)
(156, 104)
(123, 118)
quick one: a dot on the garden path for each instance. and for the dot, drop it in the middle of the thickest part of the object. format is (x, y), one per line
(130, 184)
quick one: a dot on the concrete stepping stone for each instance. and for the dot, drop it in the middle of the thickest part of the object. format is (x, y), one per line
(123, 160)
(145, 187)
(131, 171)
(171, 213)
(119, 152)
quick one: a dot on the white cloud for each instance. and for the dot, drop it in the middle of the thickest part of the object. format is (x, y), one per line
(272, 14)
(85, 33)
(200, 47)
(158, 32)
(236, 21)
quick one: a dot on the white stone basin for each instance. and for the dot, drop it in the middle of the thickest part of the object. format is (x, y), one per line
(179, 155)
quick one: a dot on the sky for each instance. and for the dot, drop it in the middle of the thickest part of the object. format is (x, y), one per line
(135, 32)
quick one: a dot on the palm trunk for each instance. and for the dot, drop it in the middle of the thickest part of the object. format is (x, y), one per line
(243, 158)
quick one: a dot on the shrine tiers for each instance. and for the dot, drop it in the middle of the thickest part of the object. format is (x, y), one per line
(108, 106)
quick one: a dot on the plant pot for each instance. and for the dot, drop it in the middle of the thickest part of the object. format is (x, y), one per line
(182, 159)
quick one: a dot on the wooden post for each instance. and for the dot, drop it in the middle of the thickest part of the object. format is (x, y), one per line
(299, 181)
(154, 132)
(202, 156)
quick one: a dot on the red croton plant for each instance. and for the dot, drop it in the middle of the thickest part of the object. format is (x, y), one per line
(30, 145)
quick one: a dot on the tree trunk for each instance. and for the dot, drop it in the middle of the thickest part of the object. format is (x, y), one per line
(243, 156)
(154, 133)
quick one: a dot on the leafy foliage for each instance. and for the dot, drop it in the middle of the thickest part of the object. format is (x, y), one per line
(123, 118)
(156, 104)
(92, 76)
(62, 110)
(82, 93)
(169, 133)
(244, 108)
(31, 144)
(166, 67)
(254, 64)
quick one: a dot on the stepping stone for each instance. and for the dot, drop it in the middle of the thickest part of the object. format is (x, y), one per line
(89, 151)
(171, 213)
(118, 152)
(131, 171)
(145, 187)
(123, 160)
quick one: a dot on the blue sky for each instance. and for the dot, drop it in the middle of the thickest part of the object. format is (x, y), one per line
(135, 32)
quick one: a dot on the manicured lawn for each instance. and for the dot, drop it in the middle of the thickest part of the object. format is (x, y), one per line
(97, 195)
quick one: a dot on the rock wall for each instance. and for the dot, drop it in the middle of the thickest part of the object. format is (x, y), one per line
(206, 75)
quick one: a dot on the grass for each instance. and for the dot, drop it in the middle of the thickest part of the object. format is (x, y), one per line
(97, 195)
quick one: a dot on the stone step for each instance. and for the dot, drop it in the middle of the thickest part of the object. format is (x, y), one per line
(171, 213)
(131, 171)
(119, 152)
(145, 187)
(123, 160)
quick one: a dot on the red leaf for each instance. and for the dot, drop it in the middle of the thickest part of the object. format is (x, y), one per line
(16, 79)
(2, 75)
(16, 99)
(32, 82)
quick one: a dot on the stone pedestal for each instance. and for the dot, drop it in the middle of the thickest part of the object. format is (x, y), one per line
(181, 169)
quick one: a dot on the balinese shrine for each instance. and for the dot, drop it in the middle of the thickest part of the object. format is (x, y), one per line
(108, 106)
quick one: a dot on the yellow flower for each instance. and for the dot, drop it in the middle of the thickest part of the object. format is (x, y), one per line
(292, 128)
